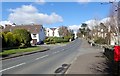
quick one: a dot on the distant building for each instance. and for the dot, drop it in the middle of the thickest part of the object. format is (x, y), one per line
(52, 32)
(37, 31)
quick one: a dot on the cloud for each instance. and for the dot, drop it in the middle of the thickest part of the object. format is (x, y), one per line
(5, 22)
(29, 14)
(105, 20)
(92, 23)
(74, 27)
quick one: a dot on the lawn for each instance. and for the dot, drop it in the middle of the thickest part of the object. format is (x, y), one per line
(15, 51)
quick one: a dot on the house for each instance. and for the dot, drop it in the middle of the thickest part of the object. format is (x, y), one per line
(52, 32)
(37, 31)
(115, 37)
(107, 32)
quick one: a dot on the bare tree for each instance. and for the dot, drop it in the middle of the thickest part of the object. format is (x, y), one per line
(112, 24)
(63, 31)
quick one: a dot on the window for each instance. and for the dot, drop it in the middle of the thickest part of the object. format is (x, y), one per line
(34, 35)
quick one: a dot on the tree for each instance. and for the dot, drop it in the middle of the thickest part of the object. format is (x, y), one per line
(9, 39)
(84, 29)
(84, 25)
(17, 39)
(112, 24)
(24, 36)
(3, 39)
(63, 31)
(1, 27)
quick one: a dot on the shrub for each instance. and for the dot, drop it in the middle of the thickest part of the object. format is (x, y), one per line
(10, 39)
(22, 45)
(53, 40)
(24, 35)
(67, 37)
(58, 39)
(4, 42)
(17, 39)
(47, 42)
(65, 40)
(100, 40)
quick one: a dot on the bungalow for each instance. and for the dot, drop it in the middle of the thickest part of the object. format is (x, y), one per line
(52, 32)
(37, 31)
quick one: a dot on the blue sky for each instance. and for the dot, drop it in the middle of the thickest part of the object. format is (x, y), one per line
(68, 13)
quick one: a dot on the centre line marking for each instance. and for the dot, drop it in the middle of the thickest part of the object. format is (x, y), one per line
(56, 51)
(12, 67)
(41, 57)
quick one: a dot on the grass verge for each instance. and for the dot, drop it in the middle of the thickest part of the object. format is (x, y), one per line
(23, 50)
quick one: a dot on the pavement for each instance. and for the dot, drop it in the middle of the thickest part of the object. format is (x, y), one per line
(92, 62)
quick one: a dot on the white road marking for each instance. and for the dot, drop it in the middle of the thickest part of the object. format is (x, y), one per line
(12, 67)
(41, 57)
(55, 52)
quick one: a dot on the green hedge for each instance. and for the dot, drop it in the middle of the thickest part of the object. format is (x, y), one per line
(53, 40)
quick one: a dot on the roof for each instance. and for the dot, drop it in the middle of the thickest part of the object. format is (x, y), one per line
(31, 28)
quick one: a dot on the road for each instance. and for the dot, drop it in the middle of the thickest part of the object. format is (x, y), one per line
(43, 62)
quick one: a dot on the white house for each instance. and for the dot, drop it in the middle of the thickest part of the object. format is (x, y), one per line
(52, 32)
(37, 31)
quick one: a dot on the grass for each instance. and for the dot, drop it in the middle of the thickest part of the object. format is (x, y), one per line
(15, 51)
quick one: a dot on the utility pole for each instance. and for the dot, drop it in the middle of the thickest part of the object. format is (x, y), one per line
(118, 13)
(117, 47)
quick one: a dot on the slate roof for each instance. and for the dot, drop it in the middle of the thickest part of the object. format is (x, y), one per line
(31, 28)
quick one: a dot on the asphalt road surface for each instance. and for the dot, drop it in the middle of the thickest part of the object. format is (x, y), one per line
(43, 62)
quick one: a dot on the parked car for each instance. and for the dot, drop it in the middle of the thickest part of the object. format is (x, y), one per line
(40, 43)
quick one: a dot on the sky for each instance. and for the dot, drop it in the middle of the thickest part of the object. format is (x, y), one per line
(53, 14)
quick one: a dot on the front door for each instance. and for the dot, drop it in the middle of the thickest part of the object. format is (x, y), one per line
(34, 41)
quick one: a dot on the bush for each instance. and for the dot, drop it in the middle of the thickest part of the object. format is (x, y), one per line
(10, 39)
(100, 40)
(4, 42)
(17, 39)
(58, 39)
(65, 40)
(24, 36)
(67, 37)
(53, 40)
(22, 45)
